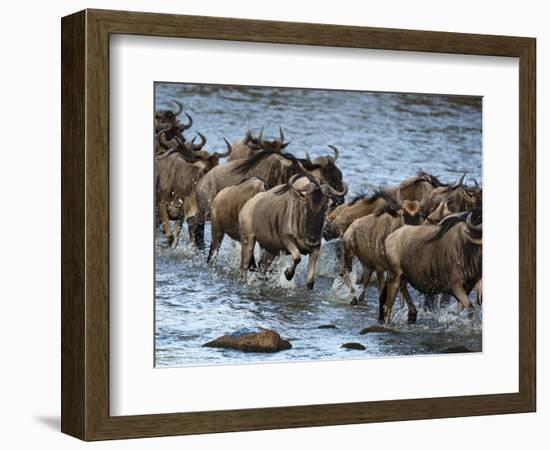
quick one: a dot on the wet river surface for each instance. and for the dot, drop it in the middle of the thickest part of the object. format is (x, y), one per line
(383, 138)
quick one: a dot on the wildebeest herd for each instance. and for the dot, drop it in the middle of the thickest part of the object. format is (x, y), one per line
(422, 232)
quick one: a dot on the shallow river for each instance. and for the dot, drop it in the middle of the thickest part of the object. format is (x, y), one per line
(382, 138)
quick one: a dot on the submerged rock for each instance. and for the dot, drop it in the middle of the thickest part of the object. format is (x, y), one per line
(378, 329)
(262, 341)
(354, 346)
(327, 327)
(457, 349)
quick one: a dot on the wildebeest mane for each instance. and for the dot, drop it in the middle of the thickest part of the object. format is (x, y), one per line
(434, 181)
(360, 196)
(247, 164)
(390, 207)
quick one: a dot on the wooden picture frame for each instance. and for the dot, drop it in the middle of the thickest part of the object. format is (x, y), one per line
(85, 224)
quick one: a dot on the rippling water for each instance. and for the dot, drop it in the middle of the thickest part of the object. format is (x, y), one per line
(383, 138)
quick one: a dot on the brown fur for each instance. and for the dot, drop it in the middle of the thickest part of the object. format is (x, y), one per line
(365, 239)
(339, 220)
(458, 198)
(245, 148)
(444, 258)
(225, 210)
(418, 188)
(175, 183)
(274, 167)
(283, 221)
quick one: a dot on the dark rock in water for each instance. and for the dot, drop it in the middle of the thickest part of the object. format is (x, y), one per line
(378, 329)
(457, 349)
(354, 346)
(327, 327)
(263, 341)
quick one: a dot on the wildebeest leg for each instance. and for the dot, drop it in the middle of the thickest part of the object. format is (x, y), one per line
(176, 232)
(165, 220)
(265, 261)
(252, 266)
(345, 269)
(463, 301)
(407, 296)
(365, 278)
(394, 281)
(247, 253)
(217, 238)
(296, 257)
(479, 295)
(429, 302)
(311, 263)
(380, 282)
(196, 231)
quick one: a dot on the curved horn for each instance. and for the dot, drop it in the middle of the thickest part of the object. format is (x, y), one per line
(228, 152)
(469, 223)
(461, 181)
(292, 190)
(476, 183)
(179, 106)
(336, 152)
(335, 193)
(308, 157)
(201, 145)
(186, 126)
(261, 138)
(281, 134)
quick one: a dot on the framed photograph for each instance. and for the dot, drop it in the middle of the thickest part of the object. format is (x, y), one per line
(272, 225)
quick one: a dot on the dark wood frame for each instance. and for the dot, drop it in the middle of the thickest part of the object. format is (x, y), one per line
(85, 224)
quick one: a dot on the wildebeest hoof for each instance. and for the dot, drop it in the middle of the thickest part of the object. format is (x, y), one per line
(310, 285)
(289, 274)
(353, 302)
(412, 317)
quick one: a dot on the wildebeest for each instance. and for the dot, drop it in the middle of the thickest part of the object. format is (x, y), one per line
(224, 214)
(365, 239)
(443, 258)
(167, 121)
(339, 219)
(270, 164)
(287, 219)
(418, 188)
(177, 173)
(458, 196)
(324, 168)
(438, 214)
(247, 147)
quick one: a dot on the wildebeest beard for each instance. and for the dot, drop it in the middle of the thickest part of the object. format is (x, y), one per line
(315, 215)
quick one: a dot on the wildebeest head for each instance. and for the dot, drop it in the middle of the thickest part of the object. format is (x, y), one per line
(251, 141)
(167, 119)
(340, 218)
(474, 225)
(315, 197)
(325, 169)
(438, 214)
(463, 197)
(274, 145)
(177, 145)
